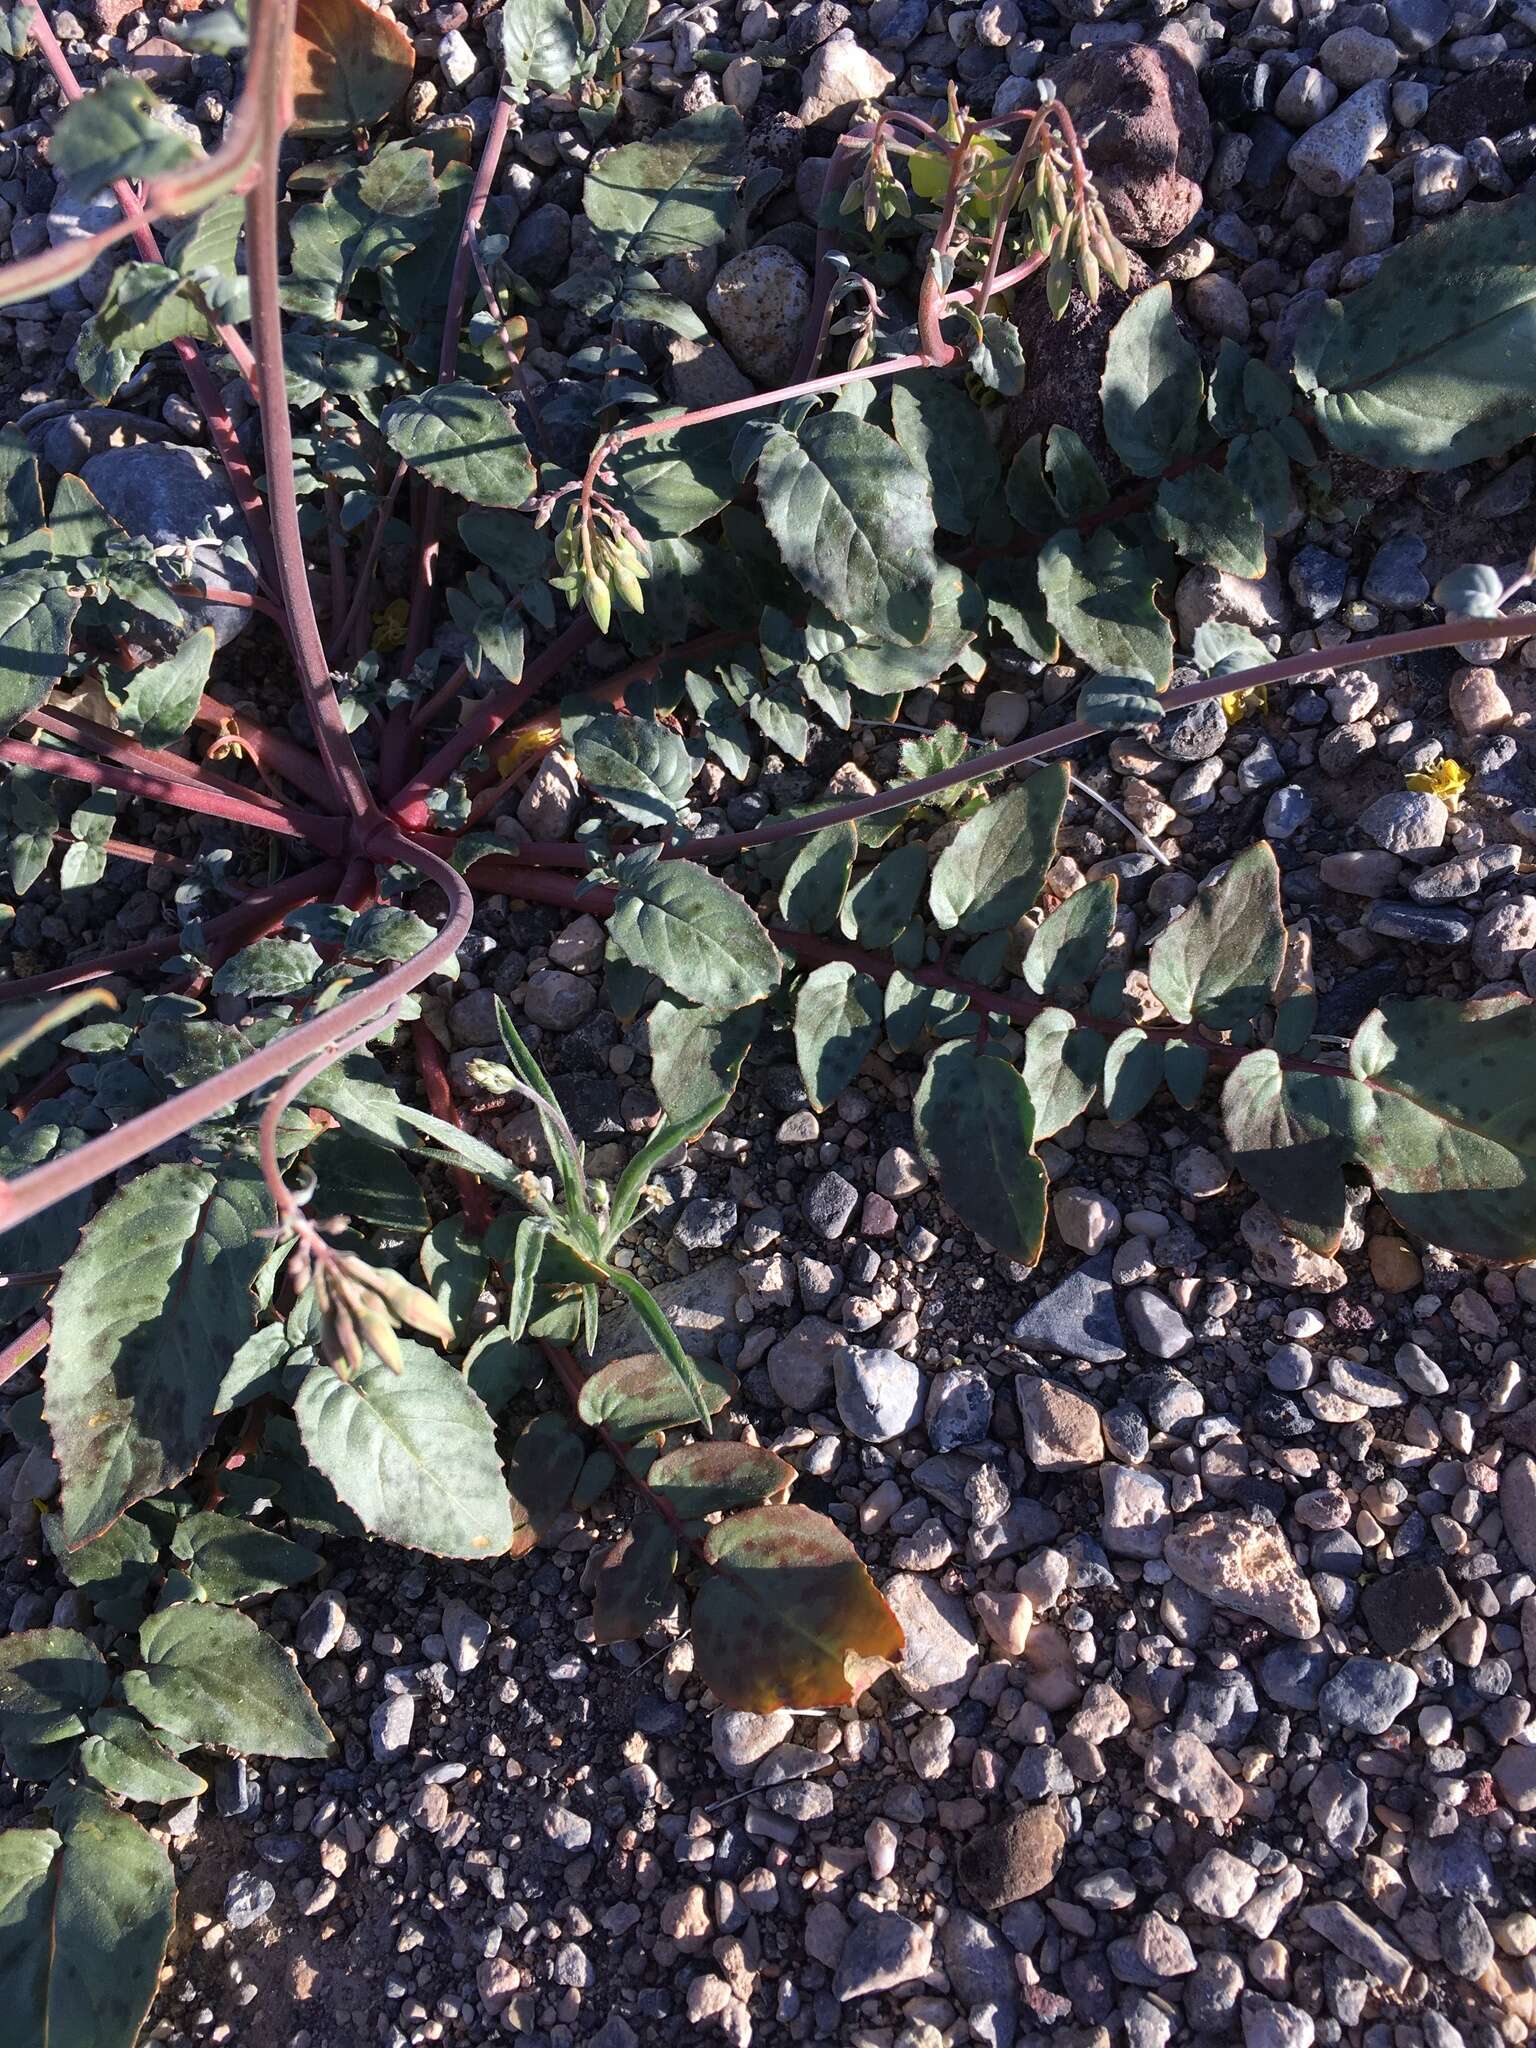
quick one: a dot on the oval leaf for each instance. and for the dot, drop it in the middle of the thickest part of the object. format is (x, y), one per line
(838, 1018)
(991, 871)
(1152, 387)
(639, 767)
(670, 197)
(412, 1453)
(975, 1127)
(1218, 964)
(632, 1396)
(693, 933)
(348, 65)
(462, 439)
(705, 1479)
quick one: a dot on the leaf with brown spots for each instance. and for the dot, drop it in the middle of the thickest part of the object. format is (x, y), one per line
(788, 1617)
(634, 1395)
(705, 1479)
(1449, 1135)
(348, 65)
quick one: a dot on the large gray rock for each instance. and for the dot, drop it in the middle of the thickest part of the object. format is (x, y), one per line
(176, 496)
(941, 1656)
(759, 302)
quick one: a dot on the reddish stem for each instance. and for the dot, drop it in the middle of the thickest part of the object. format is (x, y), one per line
(272, 752)
(475, 1200)
(116, 746)
(23, 1349)
(341, 636)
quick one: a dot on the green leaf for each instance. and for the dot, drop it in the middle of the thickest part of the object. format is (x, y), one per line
(1207, 518)
(145, 304)
(854, 522)
(1219, 962)
(542, 1472)
(85, 1915)
(692, 932)
(1450, 1136)
(1114, 703)
(538, 45)
(1432, 364)
(1063, 1064)
(359, 1178)
(707, 1479)
(461, 439)
(670, 197)
(498, 1369)
(997, 356)
(1261, 470)
(1011, 586)
(208, 240)
(117, 131)
(1151, 388)
(632, 1396)
(1078, 487)
(816, 881)
(633, 1585)
(267, 968)
(230, 1559)
(912, 1007)
(975, 1127)
(51, 1682)
(123, 1757)
(787, 1613)
(159, 702)
(1099, 597)
(37, 614)
(522, 1270)
(1291, 1135)
(148, 1316)
(212, 1679)
(455, 1266)
(369, 219)
(670, 483)
(1184, 1069)
(1069, 947)
(638, 766)
(946, 437)
(387, 933)
(114, 1572)
(991, 871)
(838, 1016)
(22, 517)
(881, 903)
(1133, 1073)
(413, 1454)
(1029, 495)
(1224, 649)
(697, 1054)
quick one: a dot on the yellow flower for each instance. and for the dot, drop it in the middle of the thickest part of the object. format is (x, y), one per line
(1447, 780)
(389, 626)
(1241, 704)
(525, 744)
(929, 171)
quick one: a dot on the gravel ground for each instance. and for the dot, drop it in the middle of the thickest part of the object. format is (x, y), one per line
(1217, 1558)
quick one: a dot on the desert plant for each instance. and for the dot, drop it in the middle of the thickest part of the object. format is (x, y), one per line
(223, 1329)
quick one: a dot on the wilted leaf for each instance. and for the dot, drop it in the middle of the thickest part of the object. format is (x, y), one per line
(633, 1585)
(212, 1679)
(1450, 1136)
(348, 65)
(975, 1127)
(669, 197)
(462, 439)
(692, 932)
(1152, 387)
(788, 1613)
(542, 1472)
(704, 1479)
(85, 1915)
(1432, 364)
(638, 766)
(147, 1318)
(854, 523)
(1218, 964)
(1068, 948)
(1099, 597)
(635, 1395)
(838, 1014)
(1291, 1134)
(991, 871)
(412, 1453)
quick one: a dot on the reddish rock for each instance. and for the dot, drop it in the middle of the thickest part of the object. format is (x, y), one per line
(1150, 136)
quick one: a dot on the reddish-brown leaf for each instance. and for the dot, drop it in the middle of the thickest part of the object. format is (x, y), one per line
(348, 66)
(633, 1586)
(705, 1479)
(788, 1617)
